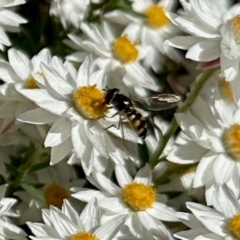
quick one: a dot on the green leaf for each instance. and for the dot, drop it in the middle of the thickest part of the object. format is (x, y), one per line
(39, 166)
(11, 169)
(35, 193)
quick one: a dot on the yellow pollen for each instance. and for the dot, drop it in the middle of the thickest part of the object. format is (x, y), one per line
(234, 226)
(225, 90)
(125, 50)
(231, 140)
(156, 17)
(31, 83)
(235, 22)
(89, 101)
(138, 196)
(83, 236)
(55, 194)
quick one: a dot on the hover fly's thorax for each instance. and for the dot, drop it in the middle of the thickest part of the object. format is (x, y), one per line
(121, 102)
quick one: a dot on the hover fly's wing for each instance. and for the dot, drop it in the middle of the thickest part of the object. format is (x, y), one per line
(158, 102)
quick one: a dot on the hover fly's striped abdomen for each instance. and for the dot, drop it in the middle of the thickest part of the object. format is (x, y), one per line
(137, 120)
(125, 108)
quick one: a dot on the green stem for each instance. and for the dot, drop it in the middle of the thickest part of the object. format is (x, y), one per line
(174, 125)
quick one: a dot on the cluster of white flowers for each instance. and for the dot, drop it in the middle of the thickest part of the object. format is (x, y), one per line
(76, 99)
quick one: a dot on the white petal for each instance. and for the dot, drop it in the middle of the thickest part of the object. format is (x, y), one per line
(226, 202)
(107, 185)
(37, 116)
(222, 168)
(44, 100)
(202, 211)
(189, 220)
(40, 229)
(144, 175)
(61, 223)
(20, 63)
(108, 230)
(91, 209)
(59, 132)
(193, 234)
(70, 212)
(182, 42)
(122, 175)
(204, 51)
(86, 195)
(136, 74)
(79, 139)
(57, 83)
(214, 225)
(61, 151)
(204, 170)
(162, 212)
(229, 67)
(187, 154)
(112, 204)
(84, 72)
(7, 73)
(193, 28)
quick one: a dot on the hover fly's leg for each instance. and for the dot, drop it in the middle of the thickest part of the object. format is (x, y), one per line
(113, 125)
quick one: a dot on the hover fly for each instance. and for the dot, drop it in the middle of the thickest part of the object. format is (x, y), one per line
(125, 107)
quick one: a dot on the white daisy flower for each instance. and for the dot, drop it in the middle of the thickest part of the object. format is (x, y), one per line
(7, 229)
(213, 27)
(20, 73)
(152, 30)
(210, 137)
(67, 224)
(9, 20)
(135, 198)
(79, 102)
(55, 181)
(69, 12)
(118, 55)
(221, 222)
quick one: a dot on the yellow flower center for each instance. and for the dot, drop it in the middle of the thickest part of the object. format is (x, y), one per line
(234, 226)
(231, 140)
(83, 236)
(225, 90)
(31, 83)
(156, 17)
(55, 194)
(125, 50)
(235, 22)
(90, 102)
(138, 196)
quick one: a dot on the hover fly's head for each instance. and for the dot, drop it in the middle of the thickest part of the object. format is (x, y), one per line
(110, 94)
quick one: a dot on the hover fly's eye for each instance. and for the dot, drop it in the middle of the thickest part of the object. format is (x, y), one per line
(156, 16)
(89, 101)
(125, 50)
